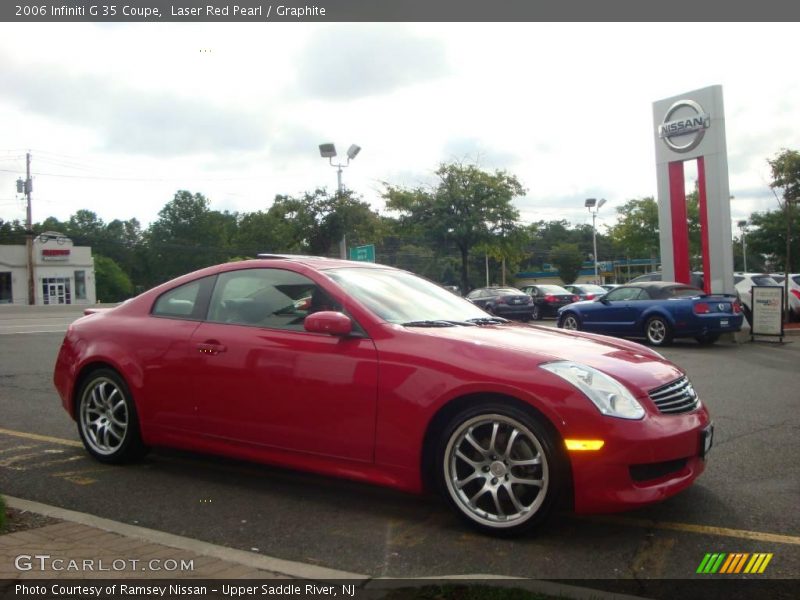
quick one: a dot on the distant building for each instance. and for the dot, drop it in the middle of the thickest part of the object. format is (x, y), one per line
(62, 272)
(617, 271)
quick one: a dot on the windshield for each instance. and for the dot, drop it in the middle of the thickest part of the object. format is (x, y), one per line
(400, 297)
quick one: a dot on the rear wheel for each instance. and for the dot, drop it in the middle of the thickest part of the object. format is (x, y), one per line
(658, 332)
(498, 468)
(536, 315)
(570, 321)
(107, 420)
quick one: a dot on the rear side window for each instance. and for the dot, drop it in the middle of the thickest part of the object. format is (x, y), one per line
(186, 301)
(764, 281)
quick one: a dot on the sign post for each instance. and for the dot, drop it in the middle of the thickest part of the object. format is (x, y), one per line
(767, 303)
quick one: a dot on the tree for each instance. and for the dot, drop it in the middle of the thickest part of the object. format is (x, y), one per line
(636, 231)
(316, 221)
(467, 207)
(786, 176)
(567, 258)
(112, 283)
(766, 242)
(188, 235)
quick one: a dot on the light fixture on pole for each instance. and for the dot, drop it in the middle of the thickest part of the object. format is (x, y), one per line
(329, 151)
(743, 228)
(594, 203)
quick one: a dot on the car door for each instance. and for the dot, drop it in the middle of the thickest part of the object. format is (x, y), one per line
(261, 379)
(614, 314)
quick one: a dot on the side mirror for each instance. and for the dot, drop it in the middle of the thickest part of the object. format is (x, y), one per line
(602, 299)
(330, 322)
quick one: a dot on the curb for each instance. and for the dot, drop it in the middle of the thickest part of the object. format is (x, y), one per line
(257, 561)
(306, 571)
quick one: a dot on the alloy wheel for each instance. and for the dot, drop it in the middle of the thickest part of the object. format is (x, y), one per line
(104, 417)
(496, 471)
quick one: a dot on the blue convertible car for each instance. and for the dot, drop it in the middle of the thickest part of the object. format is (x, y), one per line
(658, 311)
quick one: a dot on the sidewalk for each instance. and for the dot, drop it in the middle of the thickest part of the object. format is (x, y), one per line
(83, 546)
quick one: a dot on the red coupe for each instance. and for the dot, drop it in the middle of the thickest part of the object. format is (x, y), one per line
(368, 372)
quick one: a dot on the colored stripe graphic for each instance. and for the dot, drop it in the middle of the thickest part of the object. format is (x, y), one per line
(734, 563)
(711, 563)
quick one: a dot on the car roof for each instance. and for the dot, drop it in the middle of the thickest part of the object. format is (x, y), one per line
(658, 284)
(318, 262)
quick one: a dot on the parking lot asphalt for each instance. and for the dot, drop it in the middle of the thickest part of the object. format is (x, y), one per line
(746, 501)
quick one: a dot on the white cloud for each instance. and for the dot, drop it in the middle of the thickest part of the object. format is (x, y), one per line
(128, 114)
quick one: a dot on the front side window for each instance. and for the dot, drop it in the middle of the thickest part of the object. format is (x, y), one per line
(273, 298)
(624, 294)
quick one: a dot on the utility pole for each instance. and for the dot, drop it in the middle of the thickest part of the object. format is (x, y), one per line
(29, 229)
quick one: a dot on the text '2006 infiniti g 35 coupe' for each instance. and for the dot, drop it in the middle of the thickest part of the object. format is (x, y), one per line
(369, 372)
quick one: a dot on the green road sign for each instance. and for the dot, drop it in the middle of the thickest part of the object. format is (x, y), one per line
(363, 253)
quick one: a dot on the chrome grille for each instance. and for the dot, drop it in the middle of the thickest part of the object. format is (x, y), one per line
(675, 397)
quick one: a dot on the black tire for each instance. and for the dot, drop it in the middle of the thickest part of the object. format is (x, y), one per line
(658, 331)
(507, 499)
(536, 314)
(107, 420)
(570, 321)
(707, 339)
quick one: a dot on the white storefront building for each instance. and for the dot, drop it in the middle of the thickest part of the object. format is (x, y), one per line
(62, 272)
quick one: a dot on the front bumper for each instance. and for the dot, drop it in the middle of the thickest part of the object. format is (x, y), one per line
(642, 462)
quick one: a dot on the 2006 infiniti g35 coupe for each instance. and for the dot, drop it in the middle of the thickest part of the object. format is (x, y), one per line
(368, 372)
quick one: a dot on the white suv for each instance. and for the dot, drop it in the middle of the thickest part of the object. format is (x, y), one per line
(794, 291)
(744, 282)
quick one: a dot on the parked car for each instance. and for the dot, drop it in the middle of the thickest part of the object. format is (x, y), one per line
(547, 299)
(383, 377)
(744, 282)
(657, 311)
(586, 291)
(695, 278)
(794, 290)
(503, 302)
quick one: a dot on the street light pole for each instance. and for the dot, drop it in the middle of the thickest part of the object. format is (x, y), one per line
(742, 225)
(329, 151)
(590, 204)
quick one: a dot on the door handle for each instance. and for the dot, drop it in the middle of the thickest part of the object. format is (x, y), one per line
(211, 347)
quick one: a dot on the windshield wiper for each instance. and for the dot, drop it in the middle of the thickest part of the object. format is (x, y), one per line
(429, 323)
(487, 320)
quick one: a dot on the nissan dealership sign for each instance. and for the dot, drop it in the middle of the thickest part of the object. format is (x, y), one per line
(690, 128)
(685, 132)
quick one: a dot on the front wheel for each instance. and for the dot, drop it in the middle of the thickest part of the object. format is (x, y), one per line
(571, 322)
(658, 332)
(498, 469)
(107, 420)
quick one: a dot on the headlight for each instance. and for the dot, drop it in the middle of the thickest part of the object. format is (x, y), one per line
(609, 396)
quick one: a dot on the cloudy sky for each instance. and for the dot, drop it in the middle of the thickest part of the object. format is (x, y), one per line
(120, 116)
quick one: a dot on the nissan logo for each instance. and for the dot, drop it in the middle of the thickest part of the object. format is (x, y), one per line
(695, 124)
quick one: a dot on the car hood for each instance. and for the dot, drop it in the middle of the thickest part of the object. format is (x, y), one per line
(633, 364)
